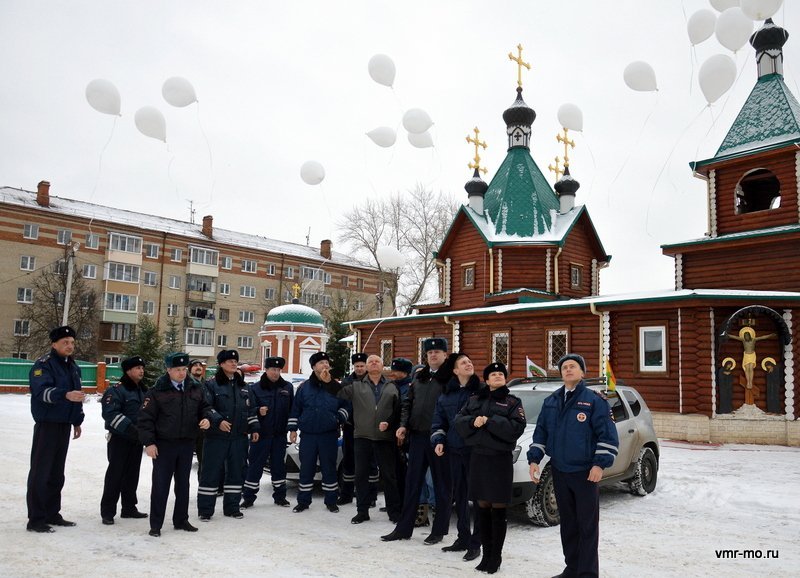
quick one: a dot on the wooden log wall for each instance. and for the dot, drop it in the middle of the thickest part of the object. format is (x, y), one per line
(524, 267)
(579, 249)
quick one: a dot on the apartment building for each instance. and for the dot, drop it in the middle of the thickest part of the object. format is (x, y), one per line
(215, 285)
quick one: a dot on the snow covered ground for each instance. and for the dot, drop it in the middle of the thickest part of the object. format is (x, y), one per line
(708, 499)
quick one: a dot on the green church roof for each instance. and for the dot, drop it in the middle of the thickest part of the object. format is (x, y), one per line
(294, 313)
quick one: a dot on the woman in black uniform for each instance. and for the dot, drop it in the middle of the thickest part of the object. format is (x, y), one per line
(490, 423)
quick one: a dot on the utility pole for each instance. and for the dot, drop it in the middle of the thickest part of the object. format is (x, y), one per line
(70, 267)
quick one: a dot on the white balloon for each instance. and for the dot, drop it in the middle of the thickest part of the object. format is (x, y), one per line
(103, 96)
(640, 76)
(178, 91)
(570, 116)
(723, 5)
(716, 76)
(422, 140)
(383, 136)
(733, 28)
(701, 26)
(381, 69)
(389, 257)
(150, 122)
(760, 9)
(416, 121)
(312, 172)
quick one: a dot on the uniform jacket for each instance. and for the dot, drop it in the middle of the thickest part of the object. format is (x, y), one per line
(402, 386)
(232, 401)
(367, 414)
(50, 378)
(416, 412)
(121, 405)
(448, 405)
(171, 415)
(316, 409)
(278, 397)
(506, 421)
(576, 435)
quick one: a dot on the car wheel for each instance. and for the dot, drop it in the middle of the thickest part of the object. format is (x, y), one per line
(646, 474)
(542, 509)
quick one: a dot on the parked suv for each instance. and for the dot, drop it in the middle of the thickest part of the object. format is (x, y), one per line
(636, 463)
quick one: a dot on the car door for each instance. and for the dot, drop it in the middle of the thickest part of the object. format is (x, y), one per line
(626, 431)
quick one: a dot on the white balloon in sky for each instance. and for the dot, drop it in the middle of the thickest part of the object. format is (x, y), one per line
(723, 5)
(733, 28)
(103, 96)
(312, 172)
(383, 136)
(700, 26)
(640, 76)
(716, 76)
(422, 140)
(389, 257)
(382, 70)
(760, 9)
(416, 120)
(570, 116)
(150, 122)
(178, 91)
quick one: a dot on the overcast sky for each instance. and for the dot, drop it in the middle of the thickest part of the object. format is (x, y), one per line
(280, 83)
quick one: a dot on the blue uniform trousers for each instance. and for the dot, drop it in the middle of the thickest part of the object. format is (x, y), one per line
(174, 461)
(578, 502)
(459, 474)
(347, 483)
(46, 476)
(122, 476)
(274, 450)
(324, 447)
(224, 459)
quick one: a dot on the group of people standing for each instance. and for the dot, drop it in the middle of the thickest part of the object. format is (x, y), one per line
(397, 426)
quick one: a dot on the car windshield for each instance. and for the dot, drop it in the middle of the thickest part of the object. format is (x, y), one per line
(532, 401)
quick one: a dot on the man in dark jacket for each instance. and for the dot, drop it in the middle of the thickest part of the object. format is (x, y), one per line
(318, 413)
(233, 417)
(416, 417)
(273, 397)
(121, 405)
(172, 414)
(376, 414)
(347, 483)
(576, 430)
(57, 407)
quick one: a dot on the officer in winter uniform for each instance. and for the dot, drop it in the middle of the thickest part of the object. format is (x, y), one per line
(172, 414)
(576, 430)
(416, 417)
(197, 369)
(318, 413)
(57, 407)
(347, 483)
(225, 449)
(273, 397)
(446, 439)
(121, 405)
(400, 375)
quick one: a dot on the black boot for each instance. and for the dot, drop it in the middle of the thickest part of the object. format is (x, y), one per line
(485, 531)
(499, 525)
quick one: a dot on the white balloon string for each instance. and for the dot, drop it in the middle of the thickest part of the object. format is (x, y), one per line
(210, 156)
(633, 148)
(100, 159)
(169, 173)
(692, 61)
(594, 166)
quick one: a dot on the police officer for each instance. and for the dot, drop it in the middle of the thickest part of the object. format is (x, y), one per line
(576, 430)
(415, 419)
(273, 397)
(57, 407)
(347, 485)
(173, 412)
(225, 449)
(318, 413)
(121, 405)
(400, 376)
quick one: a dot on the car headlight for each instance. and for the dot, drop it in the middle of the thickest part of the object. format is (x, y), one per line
(515, 454)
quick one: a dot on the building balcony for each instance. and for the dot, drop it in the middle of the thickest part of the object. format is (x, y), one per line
(196, 323)
(110, 316)
(202, 270)
(199, 350)
(202, 296)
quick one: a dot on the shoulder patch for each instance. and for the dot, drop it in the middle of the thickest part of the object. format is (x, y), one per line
(37, 372)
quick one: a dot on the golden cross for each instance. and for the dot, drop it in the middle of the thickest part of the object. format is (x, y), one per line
(556, 169)
(296, 289)
(477, 142)
(520, 63)
(567, 144)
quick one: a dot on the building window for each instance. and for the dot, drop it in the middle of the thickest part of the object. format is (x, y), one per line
(124, 243)
(468, 276)
(226, 262)
(24, 295)
(325, 300)
(653, 348)
(89, 271)
(345, 281)
(151, 251)
(200, 283)
(342, 302)
(224, 314)
(63, 236)
(557, 347)
(201, 312)
(271, 269)
(222, 341)
(22, 327)
(290, 272)
(575, 276)
(148, 307)
(269, 293)
(30, 231)
(202, 256)
(175, 282)
(27, 263)
(359, 305)
(249, 266)
(758, 190)
(111, 359)
(248, 291)
(150, 278)
(386, 352)
(172, 309)
(122, 272)
(421, 357)
(177, 255)
(360, 284)
(244, 342)
(120, 332)
(120, 302)
(92, 241)
(200, 337)
(247, 317)
(500, 349)
(20, 355)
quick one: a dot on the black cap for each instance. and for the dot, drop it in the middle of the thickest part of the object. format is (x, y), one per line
(493, 367)
(227, 354)
(132, 362)
(402, 364)
(573, 357)
(278, 362)
(358, 358)
(173, 360)
(61, 333)
(317, 357)
(434, 343)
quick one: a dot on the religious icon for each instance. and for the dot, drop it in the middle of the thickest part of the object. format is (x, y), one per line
(725, 385)
(747, 336)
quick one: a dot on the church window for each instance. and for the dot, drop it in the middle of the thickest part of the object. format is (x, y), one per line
(501, 349)
(557, 347)
(468, 276)
(652, 348)
(575, 276)
(386, 352)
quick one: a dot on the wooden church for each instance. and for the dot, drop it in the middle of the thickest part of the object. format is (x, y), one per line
(714, 358)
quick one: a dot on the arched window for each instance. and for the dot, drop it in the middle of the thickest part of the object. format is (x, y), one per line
(757, 190)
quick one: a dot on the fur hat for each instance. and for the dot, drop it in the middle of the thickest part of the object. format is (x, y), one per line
(61, 333)
(278, 362)
(358, 358)
(432, 343)
(317, 357)
(492, 368)
(132, 362)
(227, 354)
(173, 360)
(574, 357)
(402, 364)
